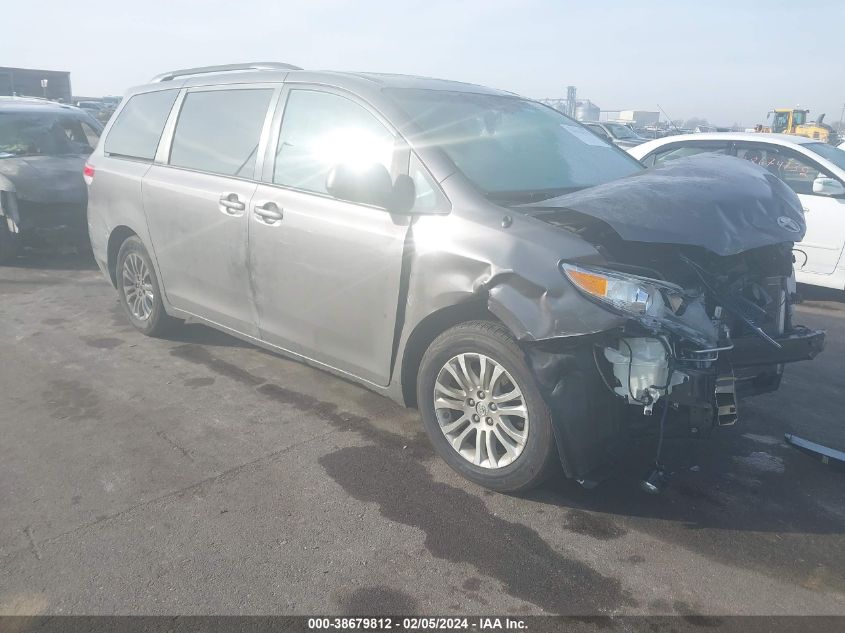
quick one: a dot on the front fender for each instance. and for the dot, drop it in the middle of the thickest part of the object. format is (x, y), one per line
(535, 313)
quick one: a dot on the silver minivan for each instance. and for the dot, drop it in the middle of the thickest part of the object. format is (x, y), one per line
(532, 289)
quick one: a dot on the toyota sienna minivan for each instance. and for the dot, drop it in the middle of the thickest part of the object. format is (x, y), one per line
(533, 290)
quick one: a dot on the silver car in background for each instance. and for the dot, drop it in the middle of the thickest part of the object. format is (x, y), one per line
(617, 133)
(482, 257)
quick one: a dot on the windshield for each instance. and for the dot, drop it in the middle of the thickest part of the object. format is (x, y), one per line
(510, 148)
(621, 131)
(44, 134)
(829, 152)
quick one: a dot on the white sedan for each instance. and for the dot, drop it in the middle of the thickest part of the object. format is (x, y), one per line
(814, 170)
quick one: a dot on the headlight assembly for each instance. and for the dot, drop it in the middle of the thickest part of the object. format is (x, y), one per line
(638, 296)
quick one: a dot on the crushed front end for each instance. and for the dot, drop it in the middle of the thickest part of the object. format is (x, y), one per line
(701, 330)
(696, 260)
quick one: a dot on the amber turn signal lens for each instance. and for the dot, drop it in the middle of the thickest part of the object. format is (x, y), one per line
(594, 284)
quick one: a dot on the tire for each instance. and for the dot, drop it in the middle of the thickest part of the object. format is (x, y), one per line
(145, 297)
(525, 466)
(9, 243)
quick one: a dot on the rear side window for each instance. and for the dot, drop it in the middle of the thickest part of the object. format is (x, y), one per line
(218, 131)
(91, 135)
(137, 130)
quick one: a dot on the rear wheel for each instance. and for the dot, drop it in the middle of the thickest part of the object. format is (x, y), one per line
(482, 409)
(139, 289)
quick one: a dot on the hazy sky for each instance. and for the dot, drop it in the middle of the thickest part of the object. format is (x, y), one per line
(726, 61)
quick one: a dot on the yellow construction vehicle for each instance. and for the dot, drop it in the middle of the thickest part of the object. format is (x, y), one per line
(794, 121)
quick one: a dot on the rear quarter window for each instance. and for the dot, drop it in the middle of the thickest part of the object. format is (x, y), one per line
(138, 128)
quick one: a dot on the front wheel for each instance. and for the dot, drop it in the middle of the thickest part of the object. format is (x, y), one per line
(139, 290)
(482, 409)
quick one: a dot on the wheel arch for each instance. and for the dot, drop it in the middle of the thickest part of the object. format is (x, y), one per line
(429, 329)
(116, 238)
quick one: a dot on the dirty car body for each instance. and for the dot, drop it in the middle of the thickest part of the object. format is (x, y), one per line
(620, 288)
(43, 147)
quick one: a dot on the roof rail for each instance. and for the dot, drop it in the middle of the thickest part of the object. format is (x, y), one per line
(173, 74)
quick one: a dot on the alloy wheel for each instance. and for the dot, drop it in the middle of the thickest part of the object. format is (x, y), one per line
(481, 410)
(138, 287)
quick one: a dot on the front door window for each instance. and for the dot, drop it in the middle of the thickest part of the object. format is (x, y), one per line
(321, 130)
(795, 170)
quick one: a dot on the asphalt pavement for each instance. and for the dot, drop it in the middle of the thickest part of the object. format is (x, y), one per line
(200, 475)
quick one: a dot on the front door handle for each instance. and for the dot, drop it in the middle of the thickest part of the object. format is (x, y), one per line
(231, 204)
(268, 212)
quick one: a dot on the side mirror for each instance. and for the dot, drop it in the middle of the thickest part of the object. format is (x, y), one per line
(825, 186)
(371, 184)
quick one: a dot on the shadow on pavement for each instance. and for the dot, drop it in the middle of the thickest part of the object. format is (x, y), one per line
(198, 334)
(742, 497)
(52, 260)
(817, 293)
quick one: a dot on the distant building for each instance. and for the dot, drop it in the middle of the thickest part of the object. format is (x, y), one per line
(26, 82)
(586, 110)
(639, 117)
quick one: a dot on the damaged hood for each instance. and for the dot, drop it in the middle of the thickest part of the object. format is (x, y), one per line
(724, 204)
(46, 179)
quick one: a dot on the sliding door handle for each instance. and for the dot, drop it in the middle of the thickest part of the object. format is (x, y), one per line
(268, 212)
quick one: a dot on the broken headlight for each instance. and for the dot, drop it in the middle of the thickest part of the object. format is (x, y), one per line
(639, 296)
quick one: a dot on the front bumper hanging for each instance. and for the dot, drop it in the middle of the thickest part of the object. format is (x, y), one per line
(800, 343)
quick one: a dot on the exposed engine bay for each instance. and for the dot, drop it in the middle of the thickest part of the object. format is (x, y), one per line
(693, 307)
